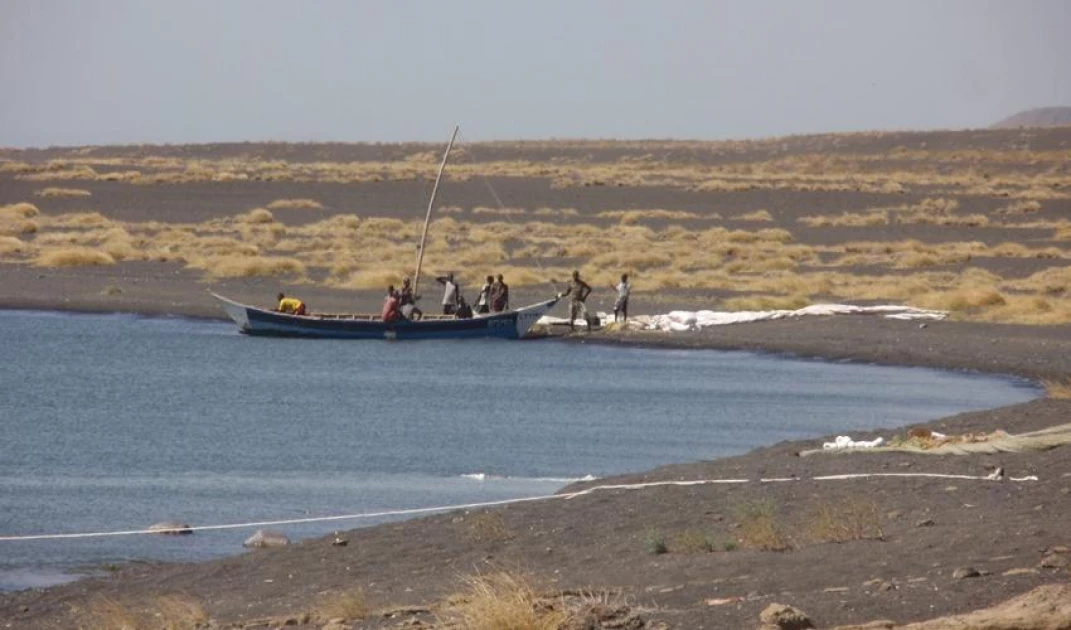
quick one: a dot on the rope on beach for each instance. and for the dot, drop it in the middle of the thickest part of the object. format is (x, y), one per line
(486, 504)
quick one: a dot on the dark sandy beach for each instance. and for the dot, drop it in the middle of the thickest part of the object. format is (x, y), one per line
(1013, 535)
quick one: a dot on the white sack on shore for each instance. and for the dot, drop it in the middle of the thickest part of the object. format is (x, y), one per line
(845, 441)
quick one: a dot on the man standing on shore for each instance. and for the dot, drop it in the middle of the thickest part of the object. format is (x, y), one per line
(579, 291)
(624, 289)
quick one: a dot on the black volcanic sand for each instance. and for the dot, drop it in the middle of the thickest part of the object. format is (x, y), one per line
(597, 542)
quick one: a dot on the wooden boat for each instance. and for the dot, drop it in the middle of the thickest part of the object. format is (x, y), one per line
(512, 324)
(506, 325)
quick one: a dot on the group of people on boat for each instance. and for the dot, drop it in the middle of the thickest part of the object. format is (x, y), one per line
(493, 297)
(400, 304)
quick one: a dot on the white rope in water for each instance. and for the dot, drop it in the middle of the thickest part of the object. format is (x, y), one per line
(484, 504)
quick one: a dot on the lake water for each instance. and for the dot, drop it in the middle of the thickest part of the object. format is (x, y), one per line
(115, 422)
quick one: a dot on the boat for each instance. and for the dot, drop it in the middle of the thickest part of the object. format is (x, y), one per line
(511, 324)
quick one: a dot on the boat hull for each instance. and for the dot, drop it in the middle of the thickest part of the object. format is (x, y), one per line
(261, 322)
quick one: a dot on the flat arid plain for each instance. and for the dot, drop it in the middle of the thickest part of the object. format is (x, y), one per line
(974, 222)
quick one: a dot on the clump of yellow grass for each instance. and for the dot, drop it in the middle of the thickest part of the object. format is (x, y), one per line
(256, 215)
(79, 220)
(504, 212)
(174, 612)
(22, 210)
(757, 215)
(295, 204)
(1020, 207)
(503, 601)
(237, 266)
(1057, 388)
(13, 245)
(349, 605)
(555, 212)
(372, 279)
(847, 219)
(52, 191)
(629, 217)
(73, 257)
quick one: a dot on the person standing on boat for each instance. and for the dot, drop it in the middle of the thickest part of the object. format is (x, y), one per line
(407, 302)
(624, 289)
(499, 295)
(391, 312)
(578, 291)
(291, 305)
(483, 302)
(450, 294)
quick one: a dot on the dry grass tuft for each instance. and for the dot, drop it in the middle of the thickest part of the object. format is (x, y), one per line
(52, 191)
(295, 204)
(1060, 389)
(256, 216)
(22, 209)
(757, 215)
(105, 613)
(695, 541)
(503, 601)
(761, 527)
(631, 217)
(170, 612)
(237, 266)
(13, 245)
(73, 257)
(348, 605)
(376, 279)
(845, 520)
(1020, 207)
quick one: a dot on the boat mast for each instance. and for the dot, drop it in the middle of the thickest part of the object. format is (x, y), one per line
(431, 205)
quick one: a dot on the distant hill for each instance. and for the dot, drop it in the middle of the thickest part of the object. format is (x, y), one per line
(1040, 117)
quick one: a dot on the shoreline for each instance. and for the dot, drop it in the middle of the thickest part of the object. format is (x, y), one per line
(864, 339)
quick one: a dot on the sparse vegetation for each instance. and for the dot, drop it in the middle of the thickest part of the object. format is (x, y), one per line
(295, 204)
(62, 192)
(73, 257)
(844, 520)
(350, 604)
(502, 601)
(170, 612)
(1057, 388)
(760, 526)
(654, 541)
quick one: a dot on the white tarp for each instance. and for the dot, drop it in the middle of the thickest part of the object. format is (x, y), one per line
(677, 321)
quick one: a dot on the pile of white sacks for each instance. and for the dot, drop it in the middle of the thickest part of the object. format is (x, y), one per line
(679, 321)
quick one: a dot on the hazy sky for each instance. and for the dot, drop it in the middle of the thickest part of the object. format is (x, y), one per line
(104, 71)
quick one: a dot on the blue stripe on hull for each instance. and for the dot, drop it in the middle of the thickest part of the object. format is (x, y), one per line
(270, 324)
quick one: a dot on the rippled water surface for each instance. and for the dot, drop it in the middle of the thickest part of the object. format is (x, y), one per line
(117, 422)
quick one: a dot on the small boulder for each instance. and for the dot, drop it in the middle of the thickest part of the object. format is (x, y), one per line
(171, 528)
(266, 538)
(782, 617)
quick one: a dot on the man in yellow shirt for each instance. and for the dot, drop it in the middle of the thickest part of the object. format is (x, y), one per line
(290, 305)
